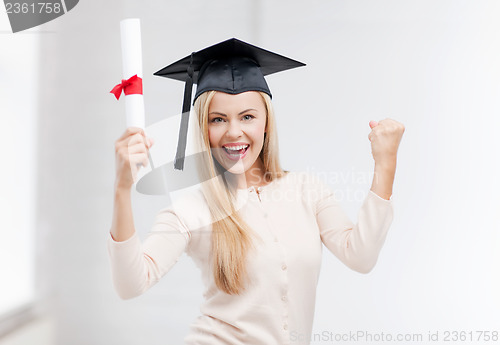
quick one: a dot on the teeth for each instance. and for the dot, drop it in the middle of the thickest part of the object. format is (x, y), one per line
(236, 148)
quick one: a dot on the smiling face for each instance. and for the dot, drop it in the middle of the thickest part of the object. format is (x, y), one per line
(238, 122)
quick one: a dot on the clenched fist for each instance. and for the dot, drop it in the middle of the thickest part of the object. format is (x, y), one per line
(385, 137)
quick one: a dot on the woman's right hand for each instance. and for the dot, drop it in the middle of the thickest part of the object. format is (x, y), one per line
(131, 151)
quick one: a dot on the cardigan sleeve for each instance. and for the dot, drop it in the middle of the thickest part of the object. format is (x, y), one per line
(356, 245)
(136, 266)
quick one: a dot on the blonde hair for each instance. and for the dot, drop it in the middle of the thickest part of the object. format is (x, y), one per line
(231, 238)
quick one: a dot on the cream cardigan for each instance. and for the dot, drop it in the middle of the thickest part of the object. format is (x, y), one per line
(294, 216)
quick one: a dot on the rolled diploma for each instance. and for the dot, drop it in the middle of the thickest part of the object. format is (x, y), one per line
(130, 30)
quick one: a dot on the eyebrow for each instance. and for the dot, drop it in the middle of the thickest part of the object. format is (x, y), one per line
(221, 114)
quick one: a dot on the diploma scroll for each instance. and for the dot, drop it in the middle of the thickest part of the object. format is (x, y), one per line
(130, 30)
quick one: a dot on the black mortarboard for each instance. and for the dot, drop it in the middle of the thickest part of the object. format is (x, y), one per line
(232, 66)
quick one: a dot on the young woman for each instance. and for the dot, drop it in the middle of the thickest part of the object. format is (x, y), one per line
(254, 230)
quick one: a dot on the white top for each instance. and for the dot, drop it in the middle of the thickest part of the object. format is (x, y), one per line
(293, 216)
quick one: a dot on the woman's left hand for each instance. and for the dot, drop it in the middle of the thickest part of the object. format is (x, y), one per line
(385, 137)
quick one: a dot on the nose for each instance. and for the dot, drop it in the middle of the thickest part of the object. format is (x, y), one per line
(234, 129)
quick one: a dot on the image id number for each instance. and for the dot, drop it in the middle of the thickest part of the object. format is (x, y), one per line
(39, 7)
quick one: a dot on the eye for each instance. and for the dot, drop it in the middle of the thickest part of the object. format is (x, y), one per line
(216, 118)
(250, 116)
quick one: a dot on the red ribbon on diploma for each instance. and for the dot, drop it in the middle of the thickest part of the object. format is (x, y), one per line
(131, 86)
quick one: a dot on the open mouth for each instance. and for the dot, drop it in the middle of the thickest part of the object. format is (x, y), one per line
(236, 154)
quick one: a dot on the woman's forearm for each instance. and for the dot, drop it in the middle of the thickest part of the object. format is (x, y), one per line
(122, 227)
(383, 179)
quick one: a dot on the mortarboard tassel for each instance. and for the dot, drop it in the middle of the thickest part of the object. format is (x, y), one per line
(186, 107)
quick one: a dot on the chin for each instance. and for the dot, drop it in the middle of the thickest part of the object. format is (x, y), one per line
(238, 168)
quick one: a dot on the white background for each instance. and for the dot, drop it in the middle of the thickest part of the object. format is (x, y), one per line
(431, 65)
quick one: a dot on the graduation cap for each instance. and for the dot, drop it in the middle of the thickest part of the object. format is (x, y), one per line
(231, 66)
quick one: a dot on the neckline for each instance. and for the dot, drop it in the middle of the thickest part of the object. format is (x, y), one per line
(261, 188)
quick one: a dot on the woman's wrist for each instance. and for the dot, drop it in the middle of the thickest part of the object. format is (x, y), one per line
(386, 165)
(383, 178)
(121, 189)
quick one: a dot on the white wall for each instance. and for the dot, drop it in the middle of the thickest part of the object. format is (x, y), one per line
(18, 104)
(430, 65)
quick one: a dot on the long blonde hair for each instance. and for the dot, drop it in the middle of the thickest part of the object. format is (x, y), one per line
(232, 237)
